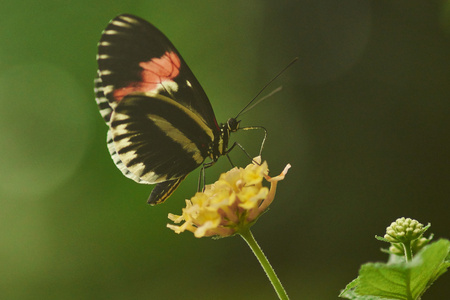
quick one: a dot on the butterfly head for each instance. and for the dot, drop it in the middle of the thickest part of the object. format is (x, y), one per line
(232, 125)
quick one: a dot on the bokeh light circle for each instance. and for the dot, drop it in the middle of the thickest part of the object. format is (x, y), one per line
(43, 126)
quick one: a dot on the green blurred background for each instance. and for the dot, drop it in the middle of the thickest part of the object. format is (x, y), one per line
(363, 117)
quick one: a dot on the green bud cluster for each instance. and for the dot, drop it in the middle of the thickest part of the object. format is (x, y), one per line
(404, 230)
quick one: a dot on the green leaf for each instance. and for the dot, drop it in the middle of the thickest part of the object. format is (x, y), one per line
(406, 280)
(349, 292)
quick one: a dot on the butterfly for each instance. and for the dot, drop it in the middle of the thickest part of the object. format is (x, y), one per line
(161, 123)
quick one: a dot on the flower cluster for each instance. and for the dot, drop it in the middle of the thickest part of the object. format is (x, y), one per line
(231, 204)
(404, 230)
(406, 237)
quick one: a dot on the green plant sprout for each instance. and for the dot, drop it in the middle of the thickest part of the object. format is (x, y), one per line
(414, 265)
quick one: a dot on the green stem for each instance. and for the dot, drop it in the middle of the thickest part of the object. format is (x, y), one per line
(247, 235)
(408, 258)
(408, 251)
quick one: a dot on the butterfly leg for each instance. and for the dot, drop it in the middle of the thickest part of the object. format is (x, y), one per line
(229, 159)
(242, 148)
(201, 178)
(264, 138)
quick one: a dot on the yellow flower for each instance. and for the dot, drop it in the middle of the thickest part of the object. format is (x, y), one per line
(232, 203)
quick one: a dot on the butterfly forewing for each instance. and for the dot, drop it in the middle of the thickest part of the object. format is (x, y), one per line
(162, 125)
(102, 102)
(133, 55)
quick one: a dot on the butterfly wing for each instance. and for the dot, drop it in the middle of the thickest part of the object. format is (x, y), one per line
(133, 55)
(161, 122)
(158, 139)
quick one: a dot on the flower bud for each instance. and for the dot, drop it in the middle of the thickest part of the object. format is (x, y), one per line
(404, 230)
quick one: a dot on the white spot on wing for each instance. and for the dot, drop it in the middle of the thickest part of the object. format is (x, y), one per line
(100, 100)
(98, 89)
(121, 117)
(110, 32)
(103, 56)
(169, 86)
(129, 20)
(105, 72)
(105, 112)
(108, 89)
(121, 24)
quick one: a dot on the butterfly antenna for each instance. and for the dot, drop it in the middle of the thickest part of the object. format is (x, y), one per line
(261, 100)
(264, 87)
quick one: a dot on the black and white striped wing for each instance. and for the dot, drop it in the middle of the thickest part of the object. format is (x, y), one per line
(162, 125)
(157, 138)
(134, 56)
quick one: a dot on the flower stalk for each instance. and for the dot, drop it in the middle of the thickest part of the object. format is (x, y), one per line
(230, 207)
(265, 264)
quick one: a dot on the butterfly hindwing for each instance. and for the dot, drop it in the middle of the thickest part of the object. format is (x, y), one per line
(157, 138)
(163, 190)
(118, 162)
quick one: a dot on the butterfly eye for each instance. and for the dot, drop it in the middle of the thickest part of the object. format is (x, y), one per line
(233, 124)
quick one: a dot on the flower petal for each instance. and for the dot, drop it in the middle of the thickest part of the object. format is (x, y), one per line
(233, 202)
(273, 188)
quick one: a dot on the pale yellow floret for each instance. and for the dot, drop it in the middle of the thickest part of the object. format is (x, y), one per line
(233, 202)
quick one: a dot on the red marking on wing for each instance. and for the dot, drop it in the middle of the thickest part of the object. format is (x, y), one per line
(154, 73)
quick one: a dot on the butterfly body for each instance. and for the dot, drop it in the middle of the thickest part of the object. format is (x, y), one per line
(161, 123)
